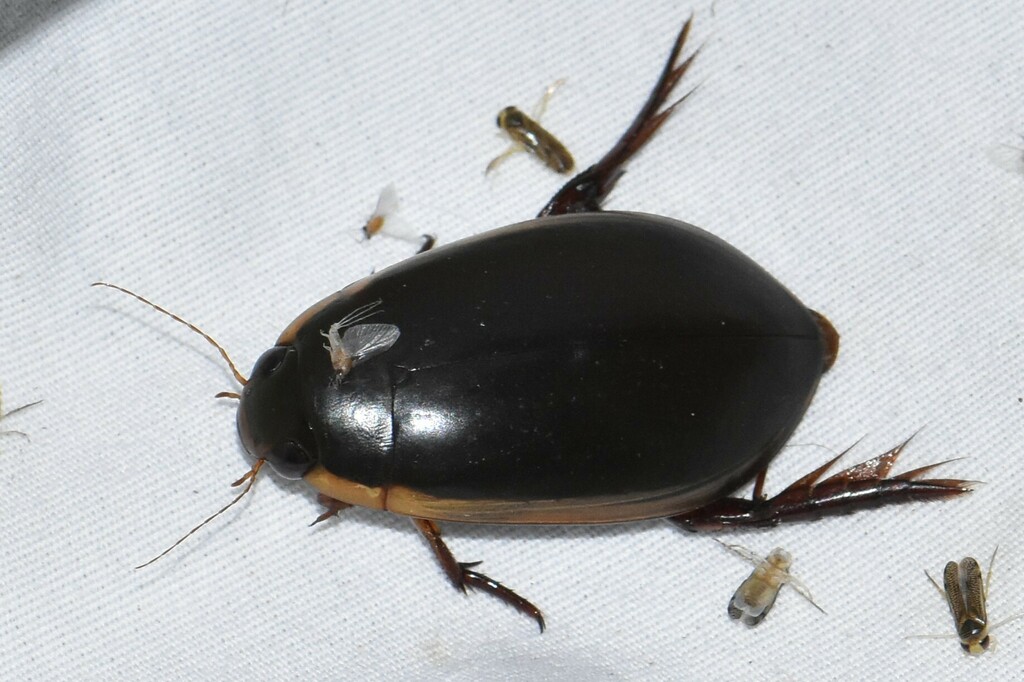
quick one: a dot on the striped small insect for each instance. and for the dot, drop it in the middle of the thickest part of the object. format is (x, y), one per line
(755, 597)
(966, 594)
(528, 135)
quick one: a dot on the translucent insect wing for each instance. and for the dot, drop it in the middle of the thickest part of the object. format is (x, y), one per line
(386, 218)
(1007, 157)
(751, 611)
(366, 340)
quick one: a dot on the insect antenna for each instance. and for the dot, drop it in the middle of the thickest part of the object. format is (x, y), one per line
(224, 354)
(5, 415)
(250, 476)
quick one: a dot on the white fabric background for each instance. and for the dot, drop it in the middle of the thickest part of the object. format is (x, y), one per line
(220, 157)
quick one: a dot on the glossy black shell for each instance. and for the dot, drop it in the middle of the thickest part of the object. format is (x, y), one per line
(583, 368)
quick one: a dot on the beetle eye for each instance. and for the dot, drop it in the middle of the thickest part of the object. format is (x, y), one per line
(290, 459)
(270, 361)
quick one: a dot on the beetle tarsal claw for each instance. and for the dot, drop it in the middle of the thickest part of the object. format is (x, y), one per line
(461, 575)
(481, 582)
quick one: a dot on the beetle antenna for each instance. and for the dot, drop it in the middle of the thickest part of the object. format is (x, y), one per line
(250, 476)
(224, 354)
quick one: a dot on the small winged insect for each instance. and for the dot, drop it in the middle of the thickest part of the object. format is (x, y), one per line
(385, 220)
(755, 597)
(528, 135)
(359, 341)
(966, 594)
(1007, 157)
(5, 415)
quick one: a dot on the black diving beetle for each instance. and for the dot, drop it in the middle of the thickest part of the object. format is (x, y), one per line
(594, 367)
(582, 367)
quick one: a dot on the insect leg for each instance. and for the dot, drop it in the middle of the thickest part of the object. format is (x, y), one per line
(585, 192)
(864, 486)
(332, 505)
(461, 575)
(510, 151)
(759, 485)
(541, 106)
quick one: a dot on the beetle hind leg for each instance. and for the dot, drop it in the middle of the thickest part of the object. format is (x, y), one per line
(863, 486)
(462, 576)
(585, 192)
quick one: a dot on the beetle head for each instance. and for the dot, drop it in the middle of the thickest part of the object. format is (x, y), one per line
(271, 419)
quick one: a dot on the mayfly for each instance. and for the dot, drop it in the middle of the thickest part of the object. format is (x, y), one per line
(385, 220)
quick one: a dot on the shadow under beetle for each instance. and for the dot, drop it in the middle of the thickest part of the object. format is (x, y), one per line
(582, 367)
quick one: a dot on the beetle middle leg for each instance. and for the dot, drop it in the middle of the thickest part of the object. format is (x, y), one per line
(462, 576)
(863, 486)
(585, 192)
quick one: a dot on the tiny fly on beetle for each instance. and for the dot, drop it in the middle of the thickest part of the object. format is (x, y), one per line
(360, 341)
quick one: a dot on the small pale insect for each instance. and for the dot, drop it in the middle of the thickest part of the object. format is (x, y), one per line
(966, 594)
(359, 341)
(386, 220)
(756, 596)
(528, 135)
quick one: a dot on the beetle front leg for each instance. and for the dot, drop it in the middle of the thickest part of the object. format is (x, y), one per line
(585, 192)
(863, 486)
(332, 505)
(461, 575)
